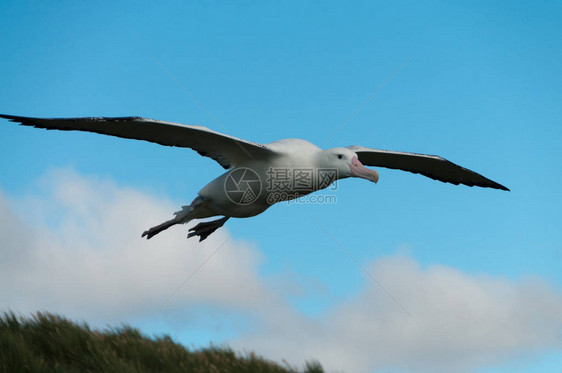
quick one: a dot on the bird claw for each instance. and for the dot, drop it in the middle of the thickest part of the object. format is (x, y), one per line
(204, 230)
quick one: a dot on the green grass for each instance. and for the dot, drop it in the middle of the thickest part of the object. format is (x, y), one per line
(51, 343)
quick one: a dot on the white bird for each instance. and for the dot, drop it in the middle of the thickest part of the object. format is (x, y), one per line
(259, 175)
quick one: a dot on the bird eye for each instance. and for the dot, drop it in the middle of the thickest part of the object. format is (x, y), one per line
(340, 156)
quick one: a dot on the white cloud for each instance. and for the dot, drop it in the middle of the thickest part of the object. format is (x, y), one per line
(85, 256)
(76, 250)
(461, 322)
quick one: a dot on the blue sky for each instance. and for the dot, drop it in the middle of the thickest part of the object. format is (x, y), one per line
(481, 88)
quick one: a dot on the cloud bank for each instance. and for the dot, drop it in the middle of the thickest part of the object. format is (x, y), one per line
(75, 249)
(461, 323)
(82, 255)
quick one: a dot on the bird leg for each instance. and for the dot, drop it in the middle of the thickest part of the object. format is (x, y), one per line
(203, 230)
(159, 228)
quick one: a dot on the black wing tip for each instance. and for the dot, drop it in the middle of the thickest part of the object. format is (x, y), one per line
(26, 121)
(501, 187)
(13, 118)
(493, 185)
(17, 118)
(490, 184)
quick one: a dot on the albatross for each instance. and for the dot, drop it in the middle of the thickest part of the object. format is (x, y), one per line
(259, 175)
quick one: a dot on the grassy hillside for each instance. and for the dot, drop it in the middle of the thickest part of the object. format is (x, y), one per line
(50, 343)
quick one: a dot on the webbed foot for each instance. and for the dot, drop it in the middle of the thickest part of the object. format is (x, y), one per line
(204, 230)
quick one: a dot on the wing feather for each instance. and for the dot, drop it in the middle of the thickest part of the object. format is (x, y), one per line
(432, 166)
(227, 150)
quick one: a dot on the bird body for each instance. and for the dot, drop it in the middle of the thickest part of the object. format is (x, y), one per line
(259, 175)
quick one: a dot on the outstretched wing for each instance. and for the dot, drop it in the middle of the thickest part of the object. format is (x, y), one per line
(227, 150)
(431, 166)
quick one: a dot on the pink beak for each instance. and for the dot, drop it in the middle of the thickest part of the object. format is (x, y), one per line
(358, 170)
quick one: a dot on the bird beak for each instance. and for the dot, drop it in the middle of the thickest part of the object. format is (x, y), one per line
(358, 170)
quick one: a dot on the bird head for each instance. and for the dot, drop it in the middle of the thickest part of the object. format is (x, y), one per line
(346, 163)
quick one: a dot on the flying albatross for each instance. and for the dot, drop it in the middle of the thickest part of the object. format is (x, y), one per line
(259, 175)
